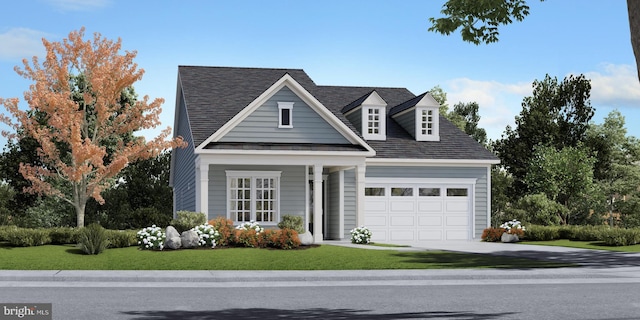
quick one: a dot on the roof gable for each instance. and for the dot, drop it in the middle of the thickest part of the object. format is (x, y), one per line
(289, 82)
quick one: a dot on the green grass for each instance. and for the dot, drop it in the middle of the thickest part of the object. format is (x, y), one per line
(325, 257)
(584, 245)
(388, 245)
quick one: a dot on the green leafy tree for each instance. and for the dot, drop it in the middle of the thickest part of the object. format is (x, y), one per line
(479, 20)
(470, 117)
(617, 156)
(557, 115)
(564, 176)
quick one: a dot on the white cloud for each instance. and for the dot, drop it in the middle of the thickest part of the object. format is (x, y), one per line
(615, 86)
(78, 5)
(499, 102)
(19, 43)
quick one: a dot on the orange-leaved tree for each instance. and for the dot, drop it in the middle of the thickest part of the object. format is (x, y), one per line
(73, 134)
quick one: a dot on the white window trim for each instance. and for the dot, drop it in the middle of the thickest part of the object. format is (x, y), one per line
(382, 122)
(285, 106)
(435, 135)
(233, 174)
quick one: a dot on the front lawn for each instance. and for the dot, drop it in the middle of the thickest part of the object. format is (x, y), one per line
(325, 257)
(596, 245)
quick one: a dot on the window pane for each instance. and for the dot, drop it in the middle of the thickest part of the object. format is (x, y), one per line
(457, 192)
(374, 192)
(401, 192)
(286, 117)
(429, 192)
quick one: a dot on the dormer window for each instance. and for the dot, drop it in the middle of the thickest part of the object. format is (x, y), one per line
(427, 124)
(285, 114)
(374, 123)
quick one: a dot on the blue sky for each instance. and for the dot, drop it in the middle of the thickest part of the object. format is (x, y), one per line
(355, 42)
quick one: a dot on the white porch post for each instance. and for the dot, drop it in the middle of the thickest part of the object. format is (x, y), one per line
(317, 204)
(341, 203)
(202, 188)
(360, 171)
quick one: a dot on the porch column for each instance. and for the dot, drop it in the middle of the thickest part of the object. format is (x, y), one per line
(360, 171)
(202, 188)
(317, 204)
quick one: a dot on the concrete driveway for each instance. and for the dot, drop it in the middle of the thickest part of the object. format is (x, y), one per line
(583, 257)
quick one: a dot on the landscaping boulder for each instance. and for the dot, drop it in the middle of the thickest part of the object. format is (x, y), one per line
(173, 243)
(306, 238)
(190, 239)
(172, 240)
(171, 232)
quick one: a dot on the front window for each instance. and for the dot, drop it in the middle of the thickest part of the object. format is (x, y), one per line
(253, 195)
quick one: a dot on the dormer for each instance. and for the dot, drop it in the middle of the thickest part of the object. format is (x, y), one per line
(369, 115)
(419, 116)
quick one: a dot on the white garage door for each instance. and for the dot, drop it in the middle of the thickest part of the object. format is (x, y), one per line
(400, 212)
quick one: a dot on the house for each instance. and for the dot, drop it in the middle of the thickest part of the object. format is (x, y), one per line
(264, 143)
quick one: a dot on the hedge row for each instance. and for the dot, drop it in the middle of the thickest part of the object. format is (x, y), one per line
(607, 235)
(26, 237)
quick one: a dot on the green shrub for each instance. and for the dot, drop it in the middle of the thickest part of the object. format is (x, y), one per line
(23, 237)
(621, 237)
(187, 220)
(225, 230)
(292, 222)
(122, 238)
(64, 235)
(4, 231)
(542, 233)
(93, 239)
(589, 233)
(149, 216)
(540, 210)
(492, 234)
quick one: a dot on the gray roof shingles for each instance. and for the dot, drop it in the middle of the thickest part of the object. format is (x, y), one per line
(214, 95)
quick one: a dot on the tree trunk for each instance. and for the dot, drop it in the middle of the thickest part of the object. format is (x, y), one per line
(80, 214)
(633, 8)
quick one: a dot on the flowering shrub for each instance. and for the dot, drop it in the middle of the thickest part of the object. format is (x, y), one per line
(361, 235)
(252, 225)
(283, 239)
(248, 238)
(151, 238)
(513, 227)
(225, 230)
(492, 234)
(208, 235)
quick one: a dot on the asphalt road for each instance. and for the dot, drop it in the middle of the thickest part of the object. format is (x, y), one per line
(458, 294)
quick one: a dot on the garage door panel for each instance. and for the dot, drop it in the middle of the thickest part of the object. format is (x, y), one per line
(402, 206)
(430, 206)
(401, 221)
(457, 221)
(375, 205)
(430, 235)
(457, 206)
(402, 235)
(379, 235)
(375, 221)
(426, 221)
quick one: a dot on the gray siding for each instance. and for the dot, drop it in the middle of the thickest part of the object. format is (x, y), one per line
(262, 124)
(349, 202)
(292, 188)
(408, 122)
(184, 171)
(333, 212)
(356, 119)
(479, 173)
